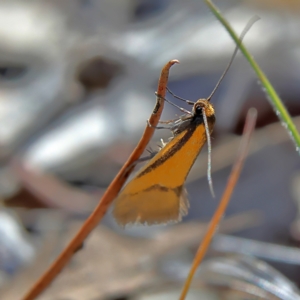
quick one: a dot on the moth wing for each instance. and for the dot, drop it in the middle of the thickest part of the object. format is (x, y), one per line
(155, 205)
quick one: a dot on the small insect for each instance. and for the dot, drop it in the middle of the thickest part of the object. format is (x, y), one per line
(156, 194)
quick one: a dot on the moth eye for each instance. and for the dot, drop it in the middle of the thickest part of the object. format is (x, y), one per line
(198, 109)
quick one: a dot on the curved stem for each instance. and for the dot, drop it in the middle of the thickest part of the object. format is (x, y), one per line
(108, 196)
(219, 213)
(272, 96)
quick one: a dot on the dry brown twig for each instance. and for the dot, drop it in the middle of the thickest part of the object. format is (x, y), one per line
(108, 196)
(233, 178)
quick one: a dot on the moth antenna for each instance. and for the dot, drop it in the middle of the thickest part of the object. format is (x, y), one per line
(246, 29)
(180, 108)
(209, 178)
(182, 99)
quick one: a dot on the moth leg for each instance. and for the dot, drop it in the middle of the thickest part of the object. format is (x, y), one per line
(157, 127)
(180, 98)
(168, 121)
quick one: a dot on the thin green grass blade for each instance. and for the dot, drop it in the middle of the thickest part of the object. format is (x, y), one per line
(272, 96)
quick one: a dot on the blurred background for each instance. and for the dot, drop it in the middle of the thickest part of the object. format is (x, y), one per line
(77, 83)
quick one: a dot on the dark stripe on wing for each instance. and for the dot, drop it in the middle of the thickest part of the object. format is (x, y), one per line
(176, 147)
